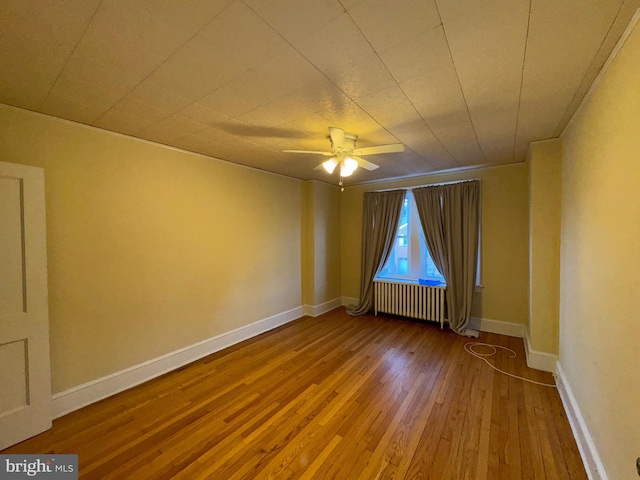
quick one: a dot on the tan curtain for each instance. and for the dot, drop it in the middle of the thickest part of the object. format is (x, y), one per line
(450, 219)
(380, 216)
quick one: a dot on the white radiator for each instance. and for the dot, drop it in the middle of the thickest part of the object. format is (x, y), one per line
(410, 300)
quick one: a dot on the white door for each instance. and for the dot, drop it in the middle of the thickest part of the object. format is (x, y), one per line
(25, 378)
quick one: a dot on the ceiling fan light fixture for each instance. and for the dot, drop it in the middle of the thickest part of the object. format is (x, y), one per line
(350, 164)
(330, 165)
(346, 168)
(344, 154)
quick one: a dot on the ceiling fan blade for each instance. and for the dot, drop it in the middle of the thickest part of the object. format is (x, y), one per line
(337, 137)
(392, 148)
(366, 164)
(326, 154)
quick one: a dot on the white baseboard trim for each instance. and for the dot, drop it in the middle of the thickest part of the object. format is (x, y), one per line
(346, 301)
(539, 360)
(496, 326)
(77, 397)
(590, 458)
(535, 359)
(317, 310)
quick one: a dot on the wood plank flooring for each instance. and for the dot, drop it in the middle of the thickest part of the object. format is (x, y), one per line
(329, 397)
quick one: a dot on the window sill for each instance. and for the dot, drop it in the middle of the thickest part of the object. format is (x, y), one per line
(415, 281)
(408, 281)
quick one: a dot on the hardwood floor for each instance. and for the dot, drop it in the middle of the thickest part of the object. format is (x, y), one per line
(329, 397)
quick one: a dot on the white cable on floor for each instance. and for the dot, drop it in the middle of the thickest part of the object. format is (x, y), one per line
(469, 348)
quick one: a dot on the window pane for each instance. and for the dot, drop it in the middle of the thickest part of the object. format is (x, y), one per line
(398, 263)
(428, 269)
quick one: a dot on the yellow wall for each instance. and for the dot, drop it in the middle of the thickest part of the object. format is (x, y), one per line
(152, 249)
(504, 238)
(327, 243)
(545, 163)
(321, 243)
(600, 262)
(308, 241)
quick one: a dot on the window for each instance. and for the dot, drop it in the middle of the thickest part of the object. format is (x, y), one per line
(410, 259)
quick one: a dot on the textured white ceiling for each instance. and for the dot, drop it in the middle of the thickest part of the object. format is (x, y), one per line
(459, 83)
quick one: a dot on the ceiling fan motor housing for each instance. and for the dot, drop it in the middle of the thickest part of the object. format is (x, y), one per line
(348, 146)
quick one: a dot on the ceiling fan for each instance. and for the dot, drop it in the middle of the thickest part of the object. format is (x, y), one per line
(345, 154)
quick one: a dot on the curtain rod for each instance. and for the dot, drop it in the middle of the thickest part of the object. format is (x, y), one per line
(428, 185)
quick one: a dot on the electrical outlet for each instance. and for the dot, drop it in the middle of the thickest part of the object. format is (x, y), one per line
(638, 465)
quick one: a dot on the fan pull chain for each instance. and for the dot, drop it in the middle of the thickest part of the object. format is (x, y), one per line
(340, 184)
